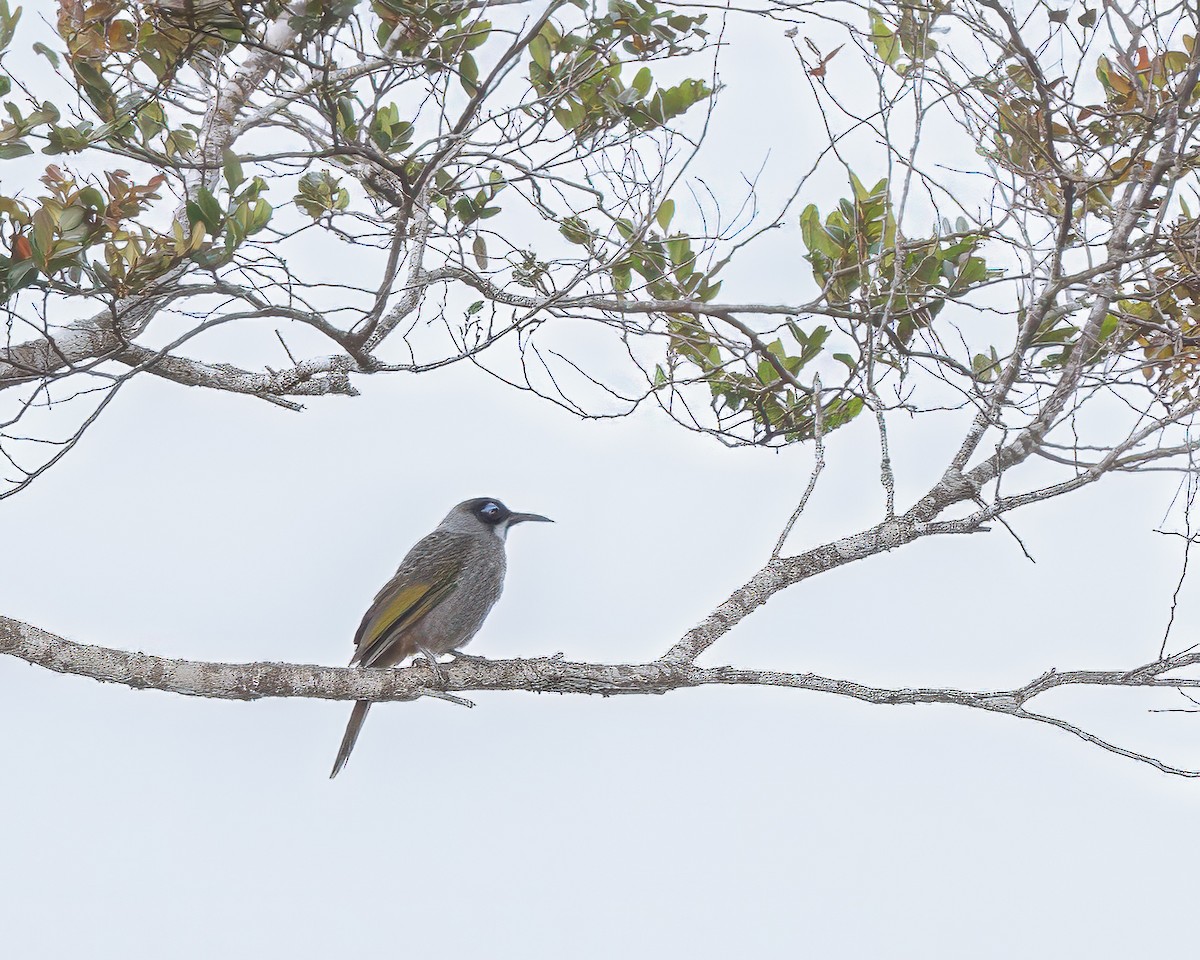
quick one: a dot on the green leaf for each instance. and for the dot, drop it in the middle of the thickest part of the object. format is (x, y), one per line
(622, 275)
(569, 114)
(10, 151)
(233, 169)
(973, 271)
(680, 250)
(642, 81)
(468, 74)
(838, 413)
(46, 52)
(860, 192)
(347, 121)
(262, 215)
(465, 210)
(1175, 61)
(71, 218)
(575, 229)
(539, 50)
(210, 211)
(8, 24)
(321, 193)
(886, 43)
(810, 224)
(22, 272)
(1108, 327)
(665, 212)
(983, 367)
(814, 234)
(93, 198)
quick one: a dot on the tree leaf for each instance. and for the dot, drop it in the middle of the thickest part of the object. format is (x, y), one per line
(46, 52)
(468, 73)
(665, 212)
(233, 169)
(539, 50)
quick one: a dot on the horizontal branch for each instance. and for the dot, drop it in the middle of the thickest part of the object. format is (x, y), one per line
(253, 681)
(318, 376)
(87, 339)
(642, 305)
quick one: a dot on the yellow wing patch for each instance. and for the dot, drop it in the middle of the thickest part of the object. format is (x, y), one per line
(403, 610)
(405, 605)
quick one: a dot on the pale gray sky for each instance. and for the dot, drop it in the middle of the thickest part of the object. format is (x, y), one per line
(694, 824)
(701, 824)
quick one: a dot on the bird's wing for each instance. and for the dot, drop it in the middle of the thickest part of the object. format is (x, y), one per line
(426, 577)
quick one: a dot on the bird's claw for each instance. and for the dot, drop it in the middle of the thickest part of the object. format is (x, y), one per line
(436, 668)
(466, 657)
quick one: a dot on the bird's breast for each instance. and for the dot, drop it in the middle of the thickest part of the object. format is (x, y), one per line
(458, 618)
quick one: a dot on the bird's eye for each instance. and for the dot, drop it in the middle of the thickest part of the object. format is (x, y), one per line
(490, 511)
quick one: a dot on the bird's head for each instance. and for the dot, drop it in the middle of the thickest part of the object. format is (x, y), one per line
(486, 513)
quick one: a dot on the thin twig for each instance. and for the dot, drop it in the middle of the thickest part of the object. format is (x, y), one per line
(818, 466)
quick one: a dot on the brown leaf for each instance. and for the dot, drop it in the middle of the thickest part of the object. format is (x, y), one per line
(819, 70)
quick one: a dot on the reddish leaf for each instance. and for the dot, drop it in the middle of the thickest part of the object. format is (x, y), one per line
(819, 70)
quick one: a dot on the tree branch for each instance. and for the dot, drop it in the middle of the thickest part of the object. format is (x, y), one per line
(318, 376)
(253, 681)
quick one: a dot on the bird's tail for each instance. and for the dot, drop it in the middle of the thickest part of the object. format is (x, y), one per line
(357, 716)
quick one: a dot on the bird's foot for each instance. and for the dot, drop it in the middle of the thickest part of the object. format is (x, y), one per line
(431, 659)
(467, 657)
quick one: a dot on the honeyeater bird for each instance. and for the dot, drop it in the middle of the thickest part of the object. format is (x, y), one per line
(439, 597)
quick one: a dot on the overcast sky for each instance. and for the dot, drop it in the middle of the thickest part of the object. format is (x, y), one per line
(704, 823)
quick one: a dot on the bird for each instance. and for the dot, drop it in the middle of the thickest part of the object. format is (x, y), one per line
(442, 592)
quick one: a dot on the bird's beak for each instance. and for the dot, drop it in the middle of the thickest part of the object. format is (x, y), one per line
(522, 517)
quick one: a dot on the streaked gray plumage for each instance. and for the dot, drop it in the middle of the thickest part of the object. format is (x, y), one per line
(437, 601)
